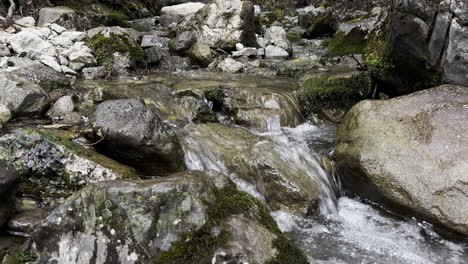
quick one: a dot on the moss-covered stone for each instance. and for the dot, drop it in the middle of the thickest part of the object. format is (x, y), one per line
(328, 93)
(51, 85)
(103, 48)
(322, 25)
(343, 44)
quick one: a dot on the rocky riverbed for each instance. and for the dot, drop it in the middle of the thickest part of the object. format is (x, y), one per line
(232, 131)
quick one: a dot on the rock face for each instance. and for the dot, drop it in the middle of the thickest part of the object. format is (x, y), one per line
(52, 166)
(57, 15)
(161, 221)
(8, 183)
(222, 24)
(21, 96)
(134, 134)
(412, 152)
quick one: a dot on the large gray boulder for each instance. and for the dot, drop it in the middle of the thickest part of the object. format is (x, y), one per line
(21, 96)
(32, 45)
(53, 166)
(8, 182)
(223, 23)
(190, 216)
(135, 135)
(35, 71)
(410, 151)
(182, 9)
(62, 16)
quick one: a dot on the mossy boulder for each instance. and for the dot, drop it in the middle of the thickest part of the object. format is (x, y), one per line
(342, 44)
(190, 217)
(105, 48)
(52, 166)
(323, 25)
(324, 93)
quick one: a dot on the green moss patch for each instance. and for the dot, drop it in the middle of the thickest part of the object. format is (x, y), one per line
(329, 93)
(103, 48)
(198, 246)
(322, 26)
(343, 44)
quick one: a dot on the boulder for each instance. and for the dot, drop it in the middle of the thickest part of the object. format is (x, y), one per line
(63, 16)
(154, 41)
(153, 55)
(182, 42)
(5, 114)
(35, 71)
(83, 56)
(231, 66)
(4, 51)
(410, 152)
(247, 52)
(190, 216)
(26, 21)
(275, 52)
(277, 36)
(21, 96)
(136, 136)
(222, 24)
(63, 106)
(201, 53)
(455, 63)
(75, 36)
(182, 9)
(51, 62)
(54, 166)
(93, 73)
(8, 183)
(31, 44)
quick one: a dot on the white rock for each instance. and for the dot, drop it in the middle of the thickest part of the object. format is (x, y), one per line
(4, 50)
(57, 28)
(231, 66)
(64, 105)
(260, 52)
(275, 52)
(240, 46)
(26, 21)
(261, 42)
(75, 35)
(94, 73)
(51, 62)
(5, 114)
(5, 37)
(62, 60)
(278, 37)
(83, 56)
(182, 9)
(67, 70)
(76, 65)
(247, 52)
(61, 41)
(31, 44)
(36, 31)
(154, 41)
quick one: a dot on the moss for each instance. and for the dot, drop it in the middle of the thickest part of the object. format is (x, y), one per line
(50, 85)
(323, 25)
(198, 246)
(294, 37)
(103, 48)
(344, 44)
(21, 258)
(116, 19)
(355, 20)
(328, 93)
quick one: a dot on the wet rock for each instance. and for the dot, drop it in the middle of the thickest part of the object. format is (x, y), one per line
(27, 221)
(162, 221)
(153, 55)
(8, 183)
(135, 135)
(24, 97)
(410, 152)
(275, 52)
(183, 41)
(63, 16)
(182, 9)
(94, 73)
(230, 66)
(223, 24)
(53, 166)
(31, 44)
(257, 164)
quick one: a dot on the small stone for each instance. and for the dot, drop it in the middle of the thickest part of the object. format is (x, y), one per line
(66, 70)
(26, 21)
(4, 51)
(57, 28)
(94, 73)
(247, 52)
(61, 41)
(231, 66)
(5, 114)
(75, 36)
(183, 41)
(64, 105)
(240, 46)
(154, 41)
(153, 55)
(51, 62)
(275, 52)
(76, 66)
(261, 52)
(83, 56)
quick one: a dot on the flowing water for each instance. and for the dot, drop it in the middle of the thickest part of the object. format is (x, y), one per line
(347, 230)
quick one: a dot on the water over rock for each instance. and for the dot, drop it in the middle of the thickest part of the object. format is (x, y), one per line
(412, 152)
(8, 182)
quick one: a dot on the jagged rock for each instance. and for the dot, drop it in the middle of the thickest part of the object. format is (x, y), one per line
(75, 36)
(61, 41)
(455, 63)
(67, 70)
(57, 28)
(34, 71)
(183, 41)
(118, 224)
(94, 73)
(231, 66)
(153, 55)
(277, 36)
(136, 136)
(22, 96)
(54, 166)
(8, 183)
(410, 151)
(154, 41)
(51, 62)
(119, 31)
(83, 56)
(4, 51)
(275, 52)
(223, 24)
(182, 9)
(247, 52)
(168, 20)
(27, 221)
(63, 16)
(31, 44)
